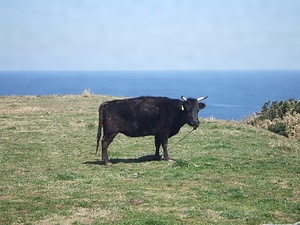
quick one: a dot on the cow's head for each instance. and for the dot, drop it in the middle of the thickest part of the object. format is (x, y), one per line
(191, 107)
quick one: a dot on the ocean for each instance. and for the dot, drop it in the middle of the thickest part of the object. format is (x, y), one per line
(232, 95)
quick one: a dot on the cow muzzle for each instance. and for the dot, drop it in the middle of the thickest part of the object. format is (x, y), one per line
(195, 124)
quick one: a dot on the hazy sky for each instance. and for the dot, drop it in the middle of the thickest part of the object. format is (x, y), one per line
(149, 34)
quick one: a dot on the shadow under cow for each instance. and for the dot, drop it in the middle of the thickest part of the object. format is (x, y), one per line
(141, 159)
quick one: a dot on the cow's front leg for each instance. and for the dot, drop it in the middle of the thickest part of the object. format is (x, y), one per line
(165, 148)
(157, 146)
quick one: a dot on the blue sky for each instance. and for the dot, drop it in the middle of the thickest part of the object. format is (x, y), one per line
(149, 34)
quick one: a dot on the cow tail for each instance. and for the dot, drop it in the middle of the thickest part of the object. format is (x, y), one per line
(100, 125)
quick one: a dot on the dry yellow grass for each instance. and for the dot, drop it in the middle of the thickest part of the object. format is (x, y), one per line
(87, 93)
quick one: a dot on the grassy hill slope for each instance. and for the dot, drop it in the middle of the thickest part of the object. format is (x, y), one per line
(224, 172)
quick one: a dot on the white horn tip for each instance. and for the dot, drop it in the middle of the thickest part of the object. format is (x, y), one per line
(183, 98)
(202, 98)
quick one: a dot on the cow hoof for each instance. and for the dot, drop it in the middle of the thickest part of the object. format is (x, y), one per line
(169, 160)
(106, 162)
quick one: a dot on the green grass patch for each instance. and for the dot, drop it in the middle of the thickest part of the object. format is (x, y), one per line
(225, 172)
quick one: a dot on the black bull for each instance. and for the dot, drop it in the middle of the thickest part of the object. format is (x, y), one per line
(158, 116)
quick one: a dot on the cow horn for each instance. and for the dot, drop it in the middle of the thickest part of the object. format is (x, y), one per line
(184, 98)
(202, 98)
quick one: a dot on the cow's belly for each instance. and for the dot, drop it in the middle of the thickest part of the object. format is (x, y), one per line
(135, 129)
(137, 134)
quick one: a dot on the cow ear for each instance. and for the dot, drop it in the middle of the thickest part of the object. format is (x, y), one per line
(201, 105)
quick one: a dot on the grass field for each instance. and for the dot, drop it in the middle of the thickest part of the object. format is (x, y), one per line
(223, 173)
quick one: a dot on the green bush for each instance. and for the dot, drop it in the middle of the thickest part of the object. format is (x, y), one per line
(278, 128)
(274, 110)
(279, 117)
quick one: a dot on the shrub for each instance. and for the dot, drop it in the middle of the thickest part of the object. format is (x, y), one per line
(279, 117)
(278, 128)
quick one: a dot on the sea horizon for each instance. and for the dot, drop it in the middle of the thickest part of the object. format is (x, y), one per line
(232, 94)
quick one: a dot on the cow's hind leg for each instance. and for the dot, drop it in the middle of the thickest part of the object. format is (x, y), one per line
(157, 146)
(107, 139)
